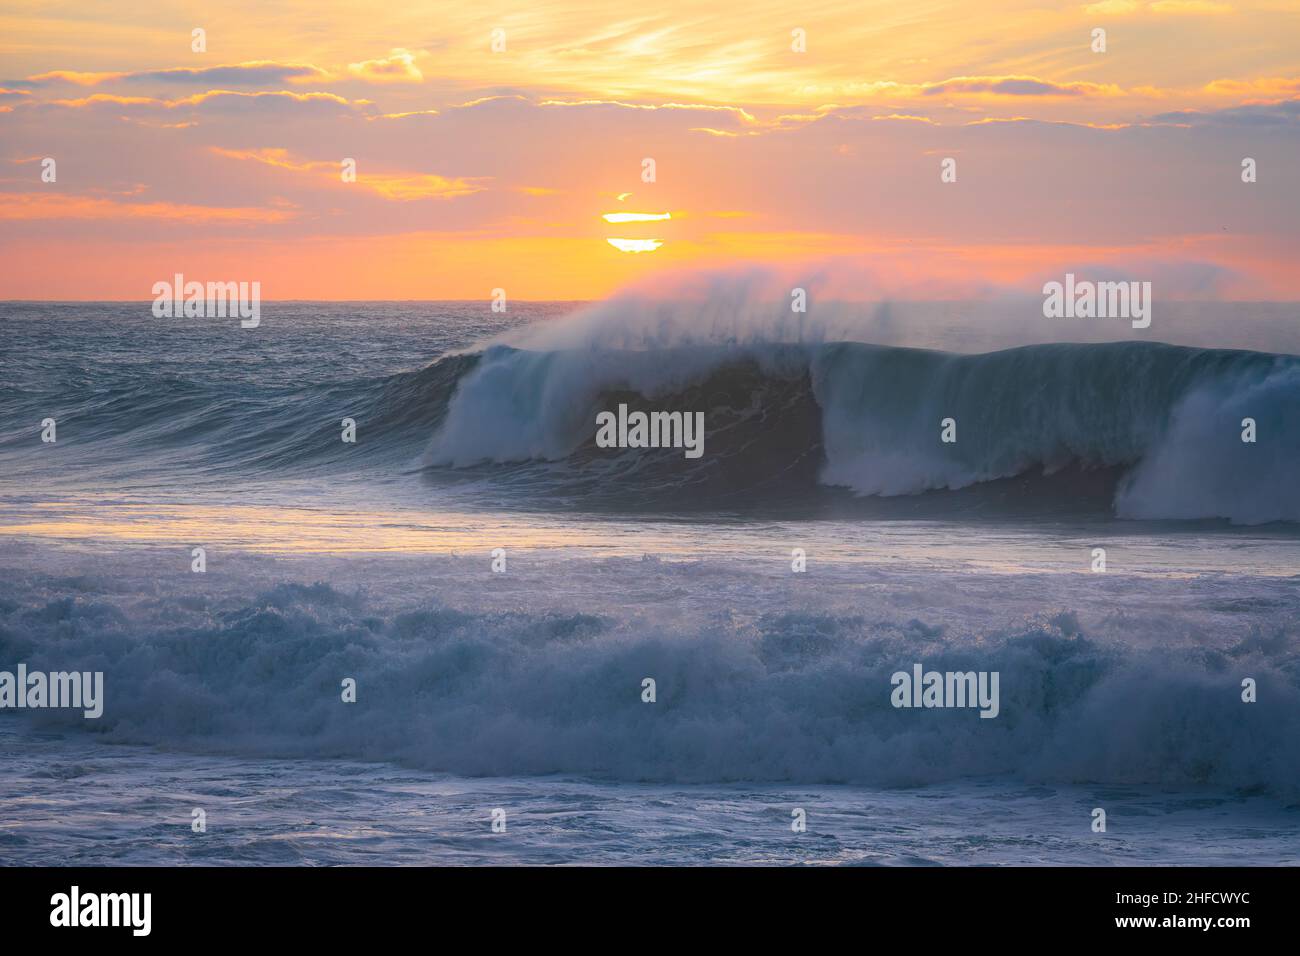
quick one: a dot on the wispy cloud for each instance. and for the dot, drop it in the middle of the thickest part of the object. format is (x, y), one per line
(402, 187)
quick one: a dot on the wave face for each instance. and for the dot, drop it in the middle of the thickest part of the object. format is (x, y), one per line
(747, 689)
(1167, 420)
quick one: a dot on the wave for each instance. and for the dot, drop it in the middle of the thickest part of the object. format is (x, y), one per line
(784, 696)
(1163, 424)
(1136, 430)
(140, 426)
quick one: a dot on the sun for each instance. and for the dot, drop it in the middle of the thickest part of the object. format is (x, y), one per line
(634, 245)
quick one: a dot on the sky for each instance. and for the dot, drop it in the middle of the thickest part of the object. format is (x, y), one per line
(494, 141)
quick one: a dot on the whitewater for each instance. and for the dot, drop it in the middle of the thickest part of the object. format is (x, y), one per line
(522, 690)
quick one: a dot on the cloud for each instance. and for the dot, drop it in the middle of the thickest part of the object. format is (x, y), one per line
(46, 205)
(14, 95)
(400, 187)
(102, 99)
(404, 188)
(254, 73)
(1284, 114)
(734, 120)
(1275, 87)
(1112, 7)
(499, 98)
(1018, 86)
(73, 76)
(1190, 7)
(398, 67)
(222, 100)
(407, 114)
(1168, 7)
(905, 118)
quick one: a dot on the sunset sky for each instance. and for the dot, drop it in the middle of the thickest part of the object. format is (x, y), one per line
(479, 169)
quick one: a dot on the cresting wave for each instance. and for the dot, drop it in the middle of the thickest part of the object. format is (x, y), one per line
(1167, 420)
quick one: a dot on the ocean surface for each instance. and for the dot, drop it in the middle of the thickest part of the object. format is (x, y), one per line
(521, 691)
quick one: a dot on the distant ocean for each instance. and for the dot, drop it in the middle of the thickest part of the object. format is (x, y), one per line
(522, 690)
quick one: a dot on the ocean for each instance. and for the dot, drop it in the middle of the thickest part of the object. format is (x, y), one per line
(497, 588)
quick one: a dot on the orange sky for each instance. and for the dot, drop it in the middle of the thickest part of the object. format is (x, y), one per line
(810, 134)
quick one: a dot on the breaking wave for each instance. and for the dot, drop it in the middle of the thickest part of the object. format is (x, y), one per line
(779, 696)
(1165, 422)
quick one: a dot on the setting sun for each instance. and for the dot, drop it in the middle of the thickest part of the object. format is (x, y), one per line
(635, 245)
